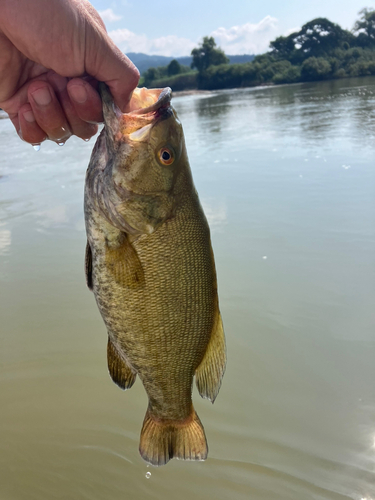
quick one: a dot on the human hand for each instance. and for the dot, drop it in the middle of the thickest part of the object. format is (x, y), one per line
(52, 54)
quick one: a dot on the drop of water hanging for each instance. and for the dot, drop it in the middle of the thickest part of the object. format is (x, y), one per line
(36, 147)
(148, 475)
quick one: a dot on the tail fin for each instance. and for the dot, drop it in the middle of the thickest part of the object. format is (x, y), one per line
(163, 440)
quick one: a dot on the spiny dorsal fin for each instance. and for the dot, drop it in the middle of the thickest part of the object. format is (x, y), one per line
(124, 264)
(88, 266)
(120, 372)
(210, 372)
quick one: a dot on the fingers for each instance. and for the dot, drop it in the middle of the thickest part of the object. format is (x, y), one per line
(45, 110)
(48, 112)
(27, 127)
(86, 100)
(78, 114)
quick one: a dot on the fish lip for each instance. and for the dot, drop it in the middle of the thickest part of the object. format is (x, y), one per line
(158, 107)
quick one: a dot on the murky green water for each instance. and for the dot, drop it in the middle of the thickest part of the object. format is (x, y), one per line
(287, 179)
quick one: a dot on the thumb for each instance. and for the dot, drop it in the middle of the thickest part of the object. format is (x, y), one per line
(105, 62)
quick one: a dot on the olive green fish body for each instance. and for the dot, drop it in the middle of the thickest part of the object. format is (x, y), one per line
(150, 264)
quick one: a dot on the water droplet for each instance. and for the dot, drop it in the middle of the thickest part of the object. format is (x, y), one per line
(148, 475)
(36, 147)
(86, 140)
(61, 143)
(264, 257)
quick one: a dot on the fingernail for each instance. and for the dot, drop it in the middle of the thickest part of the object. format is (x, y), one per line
(29, 116)
(42, 96)
(78, 93)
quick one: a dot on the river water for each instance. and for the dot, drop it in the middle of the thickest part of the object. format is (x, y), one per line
(286, 176)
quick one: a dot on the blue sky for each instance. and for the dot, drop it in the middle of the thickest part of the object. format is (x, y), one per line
(174, 27)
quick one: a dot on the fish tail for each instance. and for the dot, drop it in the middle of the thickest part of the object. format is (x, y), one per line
(162, 440)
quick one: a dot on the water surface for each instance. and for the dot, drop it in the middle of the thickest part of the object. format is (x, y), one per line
(286, 178)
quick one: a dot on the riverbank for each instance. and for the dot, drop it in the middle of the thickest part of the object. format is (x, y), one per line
(272, 69)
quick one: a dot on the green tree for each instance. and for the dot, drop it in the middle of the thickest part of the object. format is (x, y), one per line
(150, 75)
(319, 37)
(316, 68)
(174, 68)
(283, 46)
(207, 55)
(365, 27)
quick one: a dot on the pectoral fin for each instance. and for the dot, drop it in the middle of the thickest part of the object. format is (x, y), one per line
(88, 266)
(120, 372)
(124, 264)
(210, 372)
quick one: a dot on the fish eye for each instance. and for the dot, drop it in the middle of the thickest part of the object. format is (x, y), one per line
(166, 156)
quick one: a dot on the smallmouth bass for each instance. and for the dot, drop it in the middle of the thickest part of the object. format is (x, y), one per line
(151, 267)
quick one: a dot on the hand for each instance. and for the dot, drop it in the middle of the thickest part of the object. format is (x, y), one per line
(52, 54)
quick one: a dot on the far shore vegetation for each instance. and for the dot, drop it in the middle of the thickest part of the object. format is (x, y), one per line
(321, 50)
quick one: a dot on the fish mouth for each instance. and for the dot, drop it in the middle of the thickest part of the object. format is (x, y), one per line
(146, 107)
(149, 101)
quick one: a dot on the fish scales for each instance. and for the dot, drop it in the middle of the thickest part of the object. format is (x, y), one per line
(155, 285)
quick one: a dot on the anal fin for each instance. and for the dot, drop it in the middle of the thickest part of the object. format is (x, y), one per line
(210, 372)
(120, 372)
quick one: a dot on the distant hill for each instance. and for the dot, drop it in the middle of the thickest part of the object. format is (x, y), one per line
(144, 61)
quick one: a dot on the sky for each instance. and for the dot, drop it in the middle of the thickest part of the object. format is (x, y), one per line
(174, 27)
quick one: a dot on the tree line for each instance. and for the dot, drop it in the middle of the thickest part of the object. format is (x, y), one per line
(320, 50)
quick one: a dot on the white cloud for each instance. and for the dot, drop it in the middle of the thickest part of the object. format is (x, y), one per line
(248, 38)
(109, 16)
(292, 30)
(170, 45)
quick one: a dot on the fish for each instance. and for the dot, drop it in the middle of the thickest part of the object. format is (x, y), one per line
(150, 264)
